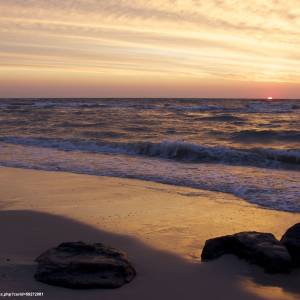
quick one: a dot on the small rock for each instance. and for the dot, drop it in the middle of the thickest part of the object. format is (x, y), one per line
(258, 248)
(81, 266)
(291, 240)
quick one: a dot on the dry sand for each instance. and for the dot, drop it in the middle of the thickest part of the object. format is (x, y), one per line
(162, 228)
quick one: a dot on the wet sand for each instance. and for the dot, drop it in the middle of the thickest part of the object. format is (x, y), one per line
(162, 228)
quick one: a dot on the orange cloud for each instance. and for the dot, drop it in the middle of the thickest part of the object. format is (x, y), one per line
(152, 44)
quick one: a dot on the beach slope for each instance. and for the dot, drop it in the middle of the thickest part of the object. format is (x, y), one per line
(162, 228)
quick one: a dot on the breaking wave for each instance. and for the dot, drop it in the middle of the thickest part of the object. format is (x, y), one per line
(173, 150)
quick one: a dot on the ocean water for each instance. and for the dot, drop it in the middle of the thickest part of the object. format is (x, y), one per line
(249, 148)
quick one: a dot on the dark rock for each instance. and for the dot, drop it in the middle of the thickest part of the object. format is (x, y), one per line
(291, 240)
(81, 266)
(258, 248)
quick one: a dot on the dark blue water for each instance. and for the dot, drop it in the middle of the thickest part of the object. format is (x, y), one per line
(250, 148)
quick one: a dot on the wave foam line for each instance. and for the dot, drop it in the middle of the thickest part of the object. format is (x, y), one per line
(174, 150)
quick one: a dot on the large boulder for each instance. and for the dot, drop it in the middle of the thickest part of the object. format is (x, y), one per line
(81, 266)
(291, 240)
(258, 248)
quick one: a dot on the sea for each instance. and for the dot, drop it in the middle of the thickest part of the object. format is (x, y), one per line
(249, 148)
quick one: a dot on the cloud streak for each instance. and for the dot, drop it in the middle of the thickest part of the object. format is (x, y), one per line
(208, 41)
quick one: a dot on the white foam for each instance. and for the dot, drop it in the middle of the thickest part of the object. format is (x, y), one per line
(275, 189)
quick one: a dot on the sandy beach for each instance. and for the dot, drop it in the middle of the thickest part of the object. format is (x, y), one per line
(162, 228)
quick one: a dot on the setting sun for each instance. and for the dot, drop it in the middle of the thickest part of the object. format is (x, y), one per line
(270, 98)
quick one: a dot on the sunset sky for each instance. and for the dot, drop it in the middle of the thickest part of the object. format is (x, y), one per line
(157, 48)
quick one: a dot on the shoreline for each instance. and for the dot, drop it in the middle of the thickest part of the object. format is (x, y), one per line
(162, 228)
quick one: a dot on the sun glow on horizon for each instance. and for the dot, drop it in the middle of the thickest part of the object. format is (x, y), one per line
(270, 98)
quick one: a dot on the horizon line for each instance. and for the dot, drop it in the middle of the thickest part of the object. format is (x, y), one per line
(176, 98)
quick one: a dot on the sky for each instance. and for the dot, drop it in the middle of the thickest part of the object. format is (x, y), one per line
(143, 48)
